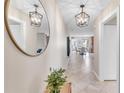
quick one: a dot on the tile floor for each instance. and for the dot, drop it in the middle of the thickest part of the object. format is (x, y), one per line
(80, 74)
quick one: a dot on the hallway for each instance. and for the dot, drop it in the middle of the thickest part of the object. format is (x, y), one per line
(80, 74)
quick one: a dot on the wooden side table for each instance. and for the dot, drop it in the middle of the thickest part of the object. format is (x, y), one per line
(65, 89)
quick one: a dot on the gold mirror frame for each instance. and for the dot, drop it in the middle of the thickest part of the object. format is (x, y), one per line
(6, 6)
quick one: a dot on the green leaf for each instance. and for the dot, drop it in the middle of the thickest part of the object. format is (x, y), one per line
(56, 79)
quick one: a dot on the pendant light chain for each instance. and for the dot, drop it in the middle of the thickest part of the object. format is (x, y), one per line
(36, 6)
(86, 2)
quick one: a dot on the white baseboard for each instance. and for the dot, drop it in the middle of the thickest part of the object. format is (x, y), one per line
(96, 75)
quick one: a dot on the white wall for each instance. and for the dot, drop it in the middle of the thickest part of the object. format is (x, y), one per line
(109, 8)
(108, 63)
(58, 50)
(24, 74)
(87, 32)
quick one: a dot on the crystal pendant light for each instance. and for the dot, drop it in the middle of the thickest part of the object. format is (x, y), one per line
(82, 19)
(35, 17)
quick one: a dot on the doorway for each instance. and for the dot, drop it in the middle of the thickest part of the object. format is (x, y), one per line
(109, 48)
(18, 31)
(82, 45)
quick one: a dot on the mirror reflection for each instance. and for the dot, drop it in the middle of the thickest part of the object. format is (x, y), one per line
(28, 25)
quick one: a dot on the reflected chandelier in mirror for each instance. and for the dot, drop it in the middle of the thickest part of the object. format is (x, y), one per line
(28, 28)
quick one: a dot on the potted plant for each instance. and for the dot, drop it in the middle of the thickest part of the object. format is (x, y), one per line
(56, 80)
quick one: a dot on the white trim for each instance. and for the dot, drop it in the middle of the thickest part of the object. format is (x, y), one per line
(97, 76)
(101, 25)
(118, 47)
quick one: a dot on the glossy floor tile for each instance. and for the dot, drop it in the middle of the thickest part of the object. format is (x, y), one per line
(80, 74)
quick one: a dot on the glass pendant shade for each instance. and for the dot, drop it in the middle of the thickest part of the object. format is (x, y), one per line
(82, 19)
(35, 17)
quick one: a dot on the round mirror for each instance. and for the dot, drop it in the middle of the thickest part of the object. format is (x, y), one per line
(27, 24)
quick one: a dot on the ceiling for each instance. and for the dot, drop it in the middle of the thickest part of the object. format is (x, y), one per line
(70, 8)
(26, 5)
